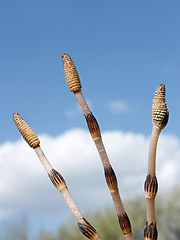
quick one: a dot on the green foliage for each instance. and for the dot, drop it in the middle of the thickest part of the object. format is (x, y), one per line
(45, 235)
(136, 210)
(106, 222)
(14, 230)
(168, 215)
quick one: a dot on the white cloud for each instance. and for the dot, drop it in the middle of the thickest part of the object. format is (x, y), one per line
(26, 188)
(118, 106)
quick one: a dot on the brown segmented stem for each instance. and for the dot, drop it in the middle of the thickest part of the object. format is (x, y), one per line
(96, 135)
(160, 117)
(55, 177)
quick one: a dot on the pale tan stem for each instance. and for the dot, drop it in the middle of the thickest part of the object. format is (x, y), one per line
(46, 164)
(150, 205)
(60, 184)
(117, 203)
(82, 103)
(151, 184)
(102, 152)
(71, 204)
(74, 84)
(129, 237)
(111, 178)
(66, 195)
(152, 150)
(160, 117)
(56, 178)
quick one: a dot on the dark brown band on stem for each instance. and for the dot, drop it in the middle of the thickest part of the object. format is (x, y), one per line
(93, 126)
(150, 186)
(111, 179)
(150, 232)
(57, 179)
(125, 223)
(88, 230)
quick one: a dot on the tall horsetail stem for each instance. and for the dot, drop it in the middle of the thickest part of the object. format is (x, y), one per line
(55, 177)
(74, 84)
(160, 116)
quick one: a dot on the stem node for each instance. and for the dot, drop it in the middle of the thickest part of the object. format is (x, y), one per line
(150, 186)
(125, 223)
(57, 180)
(150, 232)
(88, 230)
(93, 126)
(111, 179)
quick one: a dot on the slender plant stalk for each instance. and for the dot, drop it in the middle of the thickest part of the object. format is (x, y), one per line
(31, 138)
(160, 117)
(74, 84)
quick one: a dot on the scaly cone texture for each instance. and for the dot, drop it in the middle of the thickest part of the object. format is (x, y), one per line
(71, 74)
(160, 113)
(28, 134)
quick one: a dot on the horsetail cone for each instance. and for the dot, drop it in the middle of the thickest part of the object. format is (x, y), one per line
(160, 113)
(71, 74)
(26, 131)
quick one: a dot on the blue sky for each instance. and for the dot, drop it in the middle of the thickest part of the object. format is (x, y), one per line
(122, 50)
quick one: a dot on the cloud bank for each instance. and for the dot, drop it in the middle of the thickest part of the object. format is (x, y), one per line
(26, 188)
